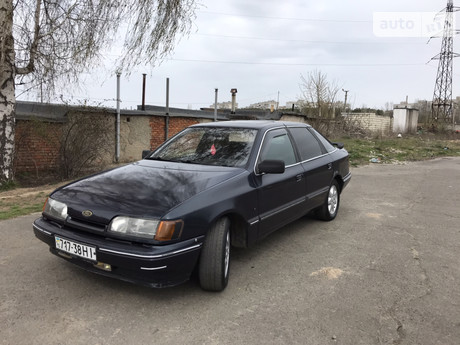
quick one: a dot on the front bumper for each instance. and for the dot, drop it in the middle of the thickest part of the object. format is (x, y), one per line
(153, 266)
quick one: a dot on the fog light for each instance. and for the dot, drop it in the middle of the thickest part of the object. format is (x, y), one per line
(103, 266)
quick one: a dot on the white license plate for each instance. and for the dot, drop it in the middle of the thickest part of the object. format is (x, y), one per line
(74, 248)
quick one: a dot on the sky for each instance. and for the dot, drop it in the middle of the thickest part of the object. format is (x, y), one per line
(372, 48)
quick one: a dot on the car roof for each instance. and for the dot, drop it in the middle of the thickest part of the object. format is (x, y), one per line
(251, 124)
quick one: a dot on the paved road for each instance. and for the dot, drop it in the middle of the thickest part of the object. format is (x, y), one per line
(386, 271)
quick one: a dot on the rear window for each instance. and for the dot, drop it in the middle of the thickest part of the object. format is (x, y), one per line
(306, 142)
(326, 143)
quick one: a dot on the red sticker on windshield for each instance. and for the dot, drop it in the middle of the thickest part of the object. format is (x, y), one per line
(213, 150)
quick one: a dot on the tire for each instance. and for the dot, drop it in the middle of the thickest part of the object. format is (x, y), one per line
(328, 211)
(214, 263)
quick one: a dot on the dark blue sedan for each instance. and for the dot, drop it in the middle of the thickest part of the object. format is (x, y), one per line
(183, 206)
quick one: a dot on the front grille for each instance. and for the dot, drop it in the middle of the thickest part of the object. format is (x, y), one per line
(84, 225)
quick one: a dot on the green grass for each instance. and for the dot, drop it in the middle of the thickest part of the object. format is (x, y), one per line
(13, 211)
(411, 148)
(21, 205)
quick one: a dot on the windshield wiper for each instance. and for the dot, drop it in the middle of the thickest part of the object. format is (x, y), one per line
(157, 159)
(187, 161)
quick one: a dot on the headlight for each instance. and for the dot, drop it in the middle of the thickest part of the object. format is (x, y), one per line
(134, 226)
(147, 228)
(55, 209)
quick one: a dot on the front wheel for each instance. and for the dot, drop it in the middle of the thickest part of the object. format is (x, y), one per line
(328, 211)
(215, 257)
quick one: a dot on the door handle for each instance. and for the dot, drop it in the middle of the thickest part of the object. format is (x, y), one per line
(299, 177)
(329, 166)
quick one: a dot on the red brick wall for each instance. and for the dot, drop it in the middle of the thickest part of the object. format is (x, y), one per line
(37, 142)
(37, 146)
(157, 126)
(176, 124)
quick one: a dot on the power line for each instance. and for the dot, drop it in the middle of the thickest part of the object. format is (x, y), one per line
(287, 18)
(304, 41)
(299, 64)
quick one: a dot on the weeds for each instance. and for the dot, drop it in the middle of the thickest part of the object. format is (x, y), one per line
(8, 185)
(391, 150)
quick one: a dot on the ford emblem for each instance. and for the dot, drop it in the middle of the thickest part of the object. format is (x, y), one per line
(87, 213)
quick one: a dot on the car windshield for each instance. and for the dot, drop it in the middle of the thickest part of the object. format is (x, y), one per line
(210, 146)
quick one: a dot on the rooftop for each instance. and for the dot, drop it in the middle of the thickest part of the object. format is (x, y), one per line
(58, 112)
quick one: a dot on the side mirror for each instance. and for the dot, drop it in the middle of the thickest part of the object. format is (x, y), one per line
(338, 145)
(271, 167)
(145, 153)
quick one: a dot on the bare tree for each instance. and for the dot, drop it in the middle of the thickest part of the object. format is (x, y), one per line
(46, 41)
(77, 156)
(319, 93)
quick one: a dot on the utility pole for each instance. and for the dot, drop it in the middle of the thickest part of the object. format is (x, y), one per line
(278, 101)
(216, 90)
(441, 107)
(167, 110)
(117, 148)
(345, 104)
(143, 91)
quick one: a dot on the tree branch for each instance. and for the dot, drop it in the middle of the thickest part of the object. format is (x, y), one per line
(59, 26)
(34, 46)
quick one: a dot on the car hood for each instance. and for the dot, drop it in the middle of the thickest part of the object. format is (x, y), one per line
(142, 189)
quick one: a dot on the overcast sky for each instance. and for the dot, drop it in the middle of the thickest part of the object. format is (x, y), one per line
(263, 47)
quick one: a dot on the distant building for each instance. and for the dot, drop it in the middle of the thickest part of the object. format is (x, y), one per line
(293, 105)
(223, 105)
(272, 104)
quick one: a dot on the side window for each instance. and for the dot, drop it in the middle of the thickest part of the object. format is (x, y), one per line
(278, 146)
(307, 144)
(327, 145)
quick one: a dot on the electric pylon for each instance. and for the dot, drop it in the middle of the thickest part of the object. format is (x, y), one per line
(442, 105)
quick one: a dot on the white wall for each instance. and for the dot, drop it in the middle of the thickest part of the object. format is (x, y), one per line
(371, 122)
(405, 120)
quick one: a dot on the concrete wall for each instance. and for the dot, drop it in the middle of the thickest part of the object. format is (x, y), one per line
(377, 124)
(294, 118)
(368, 121)
(134, 137)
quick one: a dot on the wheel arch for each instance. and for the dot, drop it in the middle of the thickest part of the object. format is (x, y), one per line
(340, 182)
(238, 228)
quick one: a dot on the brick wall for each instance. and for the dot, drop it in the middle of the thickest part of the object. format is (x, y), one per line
(37, 142)
(37, 146)
(176, 124)
(157, 126)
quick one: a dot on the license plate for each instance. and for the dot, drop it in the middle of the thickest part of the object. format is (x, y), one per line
(75, 248)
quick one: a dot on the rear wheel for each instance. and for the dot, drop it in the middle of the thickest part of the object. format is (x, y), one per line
(328, 211)
(215, 257)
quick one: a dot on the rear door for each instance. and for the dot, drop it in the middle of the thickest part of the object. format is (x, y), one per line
(281, 196)
(316, 163)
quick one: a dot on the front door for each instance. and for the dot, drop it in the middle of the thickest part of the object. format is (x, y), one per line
(281, 196)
